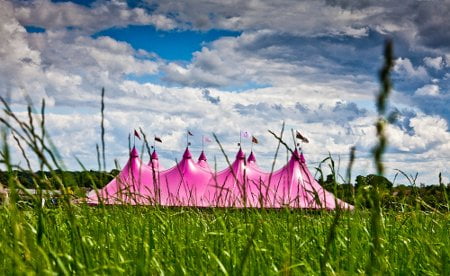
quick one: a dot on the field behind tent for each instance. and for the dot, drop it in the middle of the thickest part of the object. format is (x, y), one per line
(142, 240)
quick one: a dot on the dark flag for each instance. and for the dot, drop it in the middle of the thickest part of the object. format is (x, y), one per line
(137, 135)
(254, 140)
(190, 133)
(157, 139)
(301, 137)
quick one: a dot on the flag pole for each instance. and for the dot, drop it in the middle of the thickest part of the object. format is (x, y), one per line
(251, 147)
(293, 138)
(187, 139)
(134, 140)
(203, 142)
(240, 138)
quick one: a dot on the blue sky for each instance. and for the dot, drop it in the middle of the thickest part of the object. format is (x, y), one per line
(170, 45)
(215, 67)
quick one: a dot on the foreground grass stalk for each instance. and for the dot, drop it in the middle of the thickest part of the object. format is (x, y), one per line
(377, 263)
(102, 127)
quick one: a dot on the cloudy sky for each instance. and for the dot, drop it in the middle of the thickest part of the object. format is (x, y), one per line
(225, 66)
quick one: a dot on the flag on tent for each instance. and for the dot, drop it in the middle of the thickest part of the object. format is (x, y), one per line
(205, 139)
(245, 134)
(301, 137)
(137, 135)
(157, 139)
(254, 140)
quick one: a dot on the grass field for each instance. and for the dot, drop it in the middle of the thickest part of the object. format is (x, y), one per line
(142, 240)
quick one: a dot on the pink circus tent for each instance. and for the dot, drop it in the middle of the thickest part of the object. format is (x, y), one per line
(184, 184)
(233, 187)
(202, 161)
(294, 186)
(154, 161)
(128, 186)
(241, 184)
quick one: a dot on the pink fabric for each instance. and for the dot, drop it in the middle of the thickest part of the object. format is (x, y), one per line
(127, 187)
(240, 185)
(183, 184)
(202, 161)
(251, 161)
(154, 161)
(235, 186)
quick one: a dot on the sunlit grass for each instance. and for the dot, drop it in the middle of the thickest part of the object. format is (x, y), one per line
(209, 241)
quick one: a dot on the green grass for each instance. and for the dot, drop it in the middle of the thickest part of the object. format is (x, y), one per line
(143, 240)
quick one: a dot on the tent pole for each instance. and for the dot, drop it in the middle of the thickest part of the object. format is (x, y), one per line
(240, 138)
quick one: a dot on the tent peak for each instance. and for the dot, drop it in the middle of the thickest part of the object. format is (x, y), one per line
(154, 155)
(302, 158)
(202, 157)
(240, 154)
(187, 154)
(134, 152)
(296, 154)
(251, 158)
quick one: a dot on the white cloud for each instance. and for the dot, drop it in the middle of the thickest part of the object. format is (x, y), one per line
(436, 63)
(299, 17)
(20, 69)
(423, 25)
(67, 69)
(307, 87)
(427, 170)
(255, 57)
(431, 128)
(102, 15)
(428, 90)
(405, 67)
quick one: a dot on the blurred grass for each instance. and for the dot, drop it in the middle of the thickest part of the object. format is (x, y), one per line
(151, 240)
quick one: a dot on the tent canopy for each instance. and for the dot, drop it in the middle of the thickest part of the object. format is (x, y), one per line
(242, 184)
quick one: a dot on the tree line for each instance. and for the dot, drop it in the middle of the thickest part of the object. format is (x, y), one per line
(393, 197)
(400, 196)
